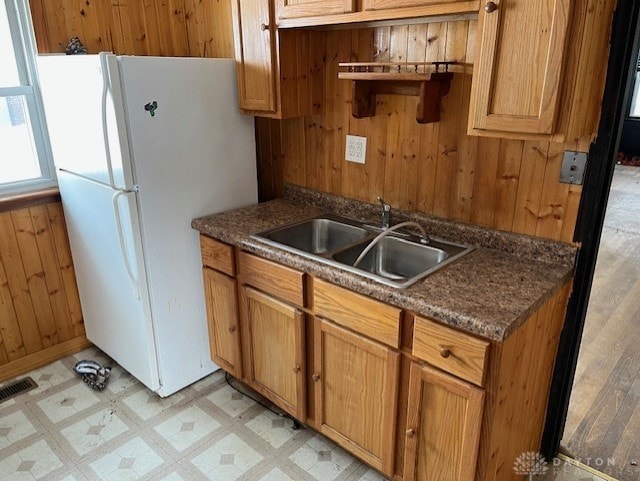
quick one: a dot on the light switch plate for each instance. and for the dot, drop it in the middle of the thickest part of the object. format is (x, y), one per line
(573, 165)
(356, 149)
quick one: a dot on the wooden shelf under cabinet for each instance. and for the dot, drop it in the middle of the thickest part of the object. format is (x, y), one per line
(428, 80)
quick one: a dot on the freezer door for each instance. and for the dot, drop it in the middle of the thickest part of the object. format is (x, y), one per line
(84, 113)
(105, 243)
(194, 156)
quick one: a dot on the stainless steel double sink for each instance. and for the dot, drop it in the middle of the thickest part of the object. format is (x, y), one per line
(398, 259)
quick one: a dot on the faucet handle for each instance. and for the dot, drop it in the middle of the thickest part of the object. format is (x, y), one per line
(385, 206)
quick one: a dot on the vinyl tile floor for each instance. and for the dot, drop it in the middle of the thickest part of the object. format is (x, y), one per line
(64, 431)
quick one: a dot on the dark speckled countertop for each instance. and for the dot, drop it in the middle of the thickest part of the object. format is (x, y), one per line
(489, 292)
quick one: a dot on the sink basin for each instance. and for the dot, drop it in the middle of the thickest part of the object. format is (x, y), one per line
(397, 260)
(316, 236)
(393, 258)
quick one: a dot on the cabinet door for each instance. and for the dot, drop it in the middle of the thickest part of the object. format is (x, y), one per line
(444, 417)
(312, 8)
(356, 393)
(222, 316)
(274, 350)
(256, 61)
(389, 4)
(518, 66)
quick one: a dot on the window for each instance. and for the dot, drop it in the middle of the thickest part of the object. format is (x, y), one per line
(24, 152)
(635, 97)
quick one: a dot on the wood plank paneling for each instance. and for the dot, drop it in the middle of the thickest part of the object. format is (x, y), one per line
(39, 306)
(437, 169)
(127, 27)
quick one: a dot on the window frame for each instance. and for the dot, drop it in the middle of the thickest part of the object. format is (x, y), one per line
(24, 46)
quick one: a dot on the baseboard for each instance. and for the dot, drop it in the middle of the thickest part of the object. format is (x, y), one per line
(41, 358)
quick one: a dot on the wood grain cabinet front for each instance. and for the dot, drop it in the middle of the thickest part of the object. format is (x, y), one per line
(444, 417)
(276, 71)
(222, 317)
(393, 4)
(356, 391)
(274, 350)
(312, 8)
(520, 55)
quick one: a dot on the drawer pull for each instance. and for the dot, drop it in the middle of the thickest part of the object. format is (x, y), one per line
(264, 27)
(296, 369)
(315, 377)
(445, 352)
(411, 433)
(490, 7)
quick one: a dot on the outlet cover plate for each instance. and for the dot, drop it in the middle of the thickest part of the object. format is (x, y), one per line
(356, 149)
(573, 165)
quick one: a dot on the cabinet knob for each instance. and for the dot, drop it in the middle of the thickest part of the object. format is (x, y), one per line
(445, 352)
(315, 377)
(264, 26)
(296, 369)
(232, 329)
(411, 433)
(490, 7)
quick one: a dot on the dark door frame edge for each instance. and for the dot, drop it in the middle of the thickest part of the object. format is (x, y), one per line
(593, 204)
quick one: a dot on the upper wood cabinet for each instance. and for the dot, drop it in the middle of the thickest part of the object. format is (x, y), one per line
(276, 71)
(312, 8)
(255, 55)
(390, 4)
(517, 75)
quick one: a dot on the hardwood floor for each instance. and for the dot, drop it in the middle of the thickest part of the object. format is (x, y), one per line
(603, 425)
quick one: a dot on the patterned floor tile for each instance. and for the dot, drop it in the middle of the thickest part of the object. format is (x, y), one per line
(322, 459)
(50, 376)
(133, 460)
(146, 404)
(227, 459)
(120, 380)
(275, 475)
(187, 427)
(67, 403)
(93, 431)
(131, 433)
(33, 462)
(14, 427)
(231, 401)
(274, 429)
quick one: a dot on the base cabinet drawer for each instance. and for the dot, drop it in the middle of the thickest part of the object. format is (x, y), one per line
(444, 417)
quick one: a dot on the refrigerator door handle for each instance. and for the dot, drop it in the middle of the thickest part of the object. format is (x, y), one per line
(123, 248)
(105, 127)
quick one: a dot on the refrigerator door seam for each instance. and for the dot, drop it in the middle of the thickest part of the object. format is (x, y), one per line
(103, 104)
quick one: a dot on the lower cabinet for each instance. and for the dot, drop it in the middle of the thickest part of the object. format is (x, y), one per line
(222, 313)
(274, 350)
(444, 417)
(356, 393)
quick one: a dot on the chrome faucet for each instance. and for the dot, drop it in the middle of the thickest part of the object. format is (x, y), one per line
(386, 213)
(424, 239)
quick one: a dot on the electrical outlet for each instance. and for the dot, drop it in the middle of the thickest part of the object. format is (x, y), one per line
(356, 150)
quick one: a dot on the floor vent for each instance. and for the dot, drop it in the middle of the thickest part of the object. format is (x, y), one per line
(16, 388)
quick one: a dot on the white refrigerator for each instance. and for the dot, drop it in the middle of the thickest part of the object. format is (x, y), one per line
(142, 145)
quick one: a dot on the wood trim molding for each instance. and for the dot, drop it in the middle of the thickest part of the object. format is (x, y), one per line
(42, 358)
(29, 199)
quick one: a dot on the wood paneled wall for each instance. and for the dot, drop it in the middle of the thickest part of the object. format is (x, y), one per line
(436, 168)
(40, 315)
(182, 28)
